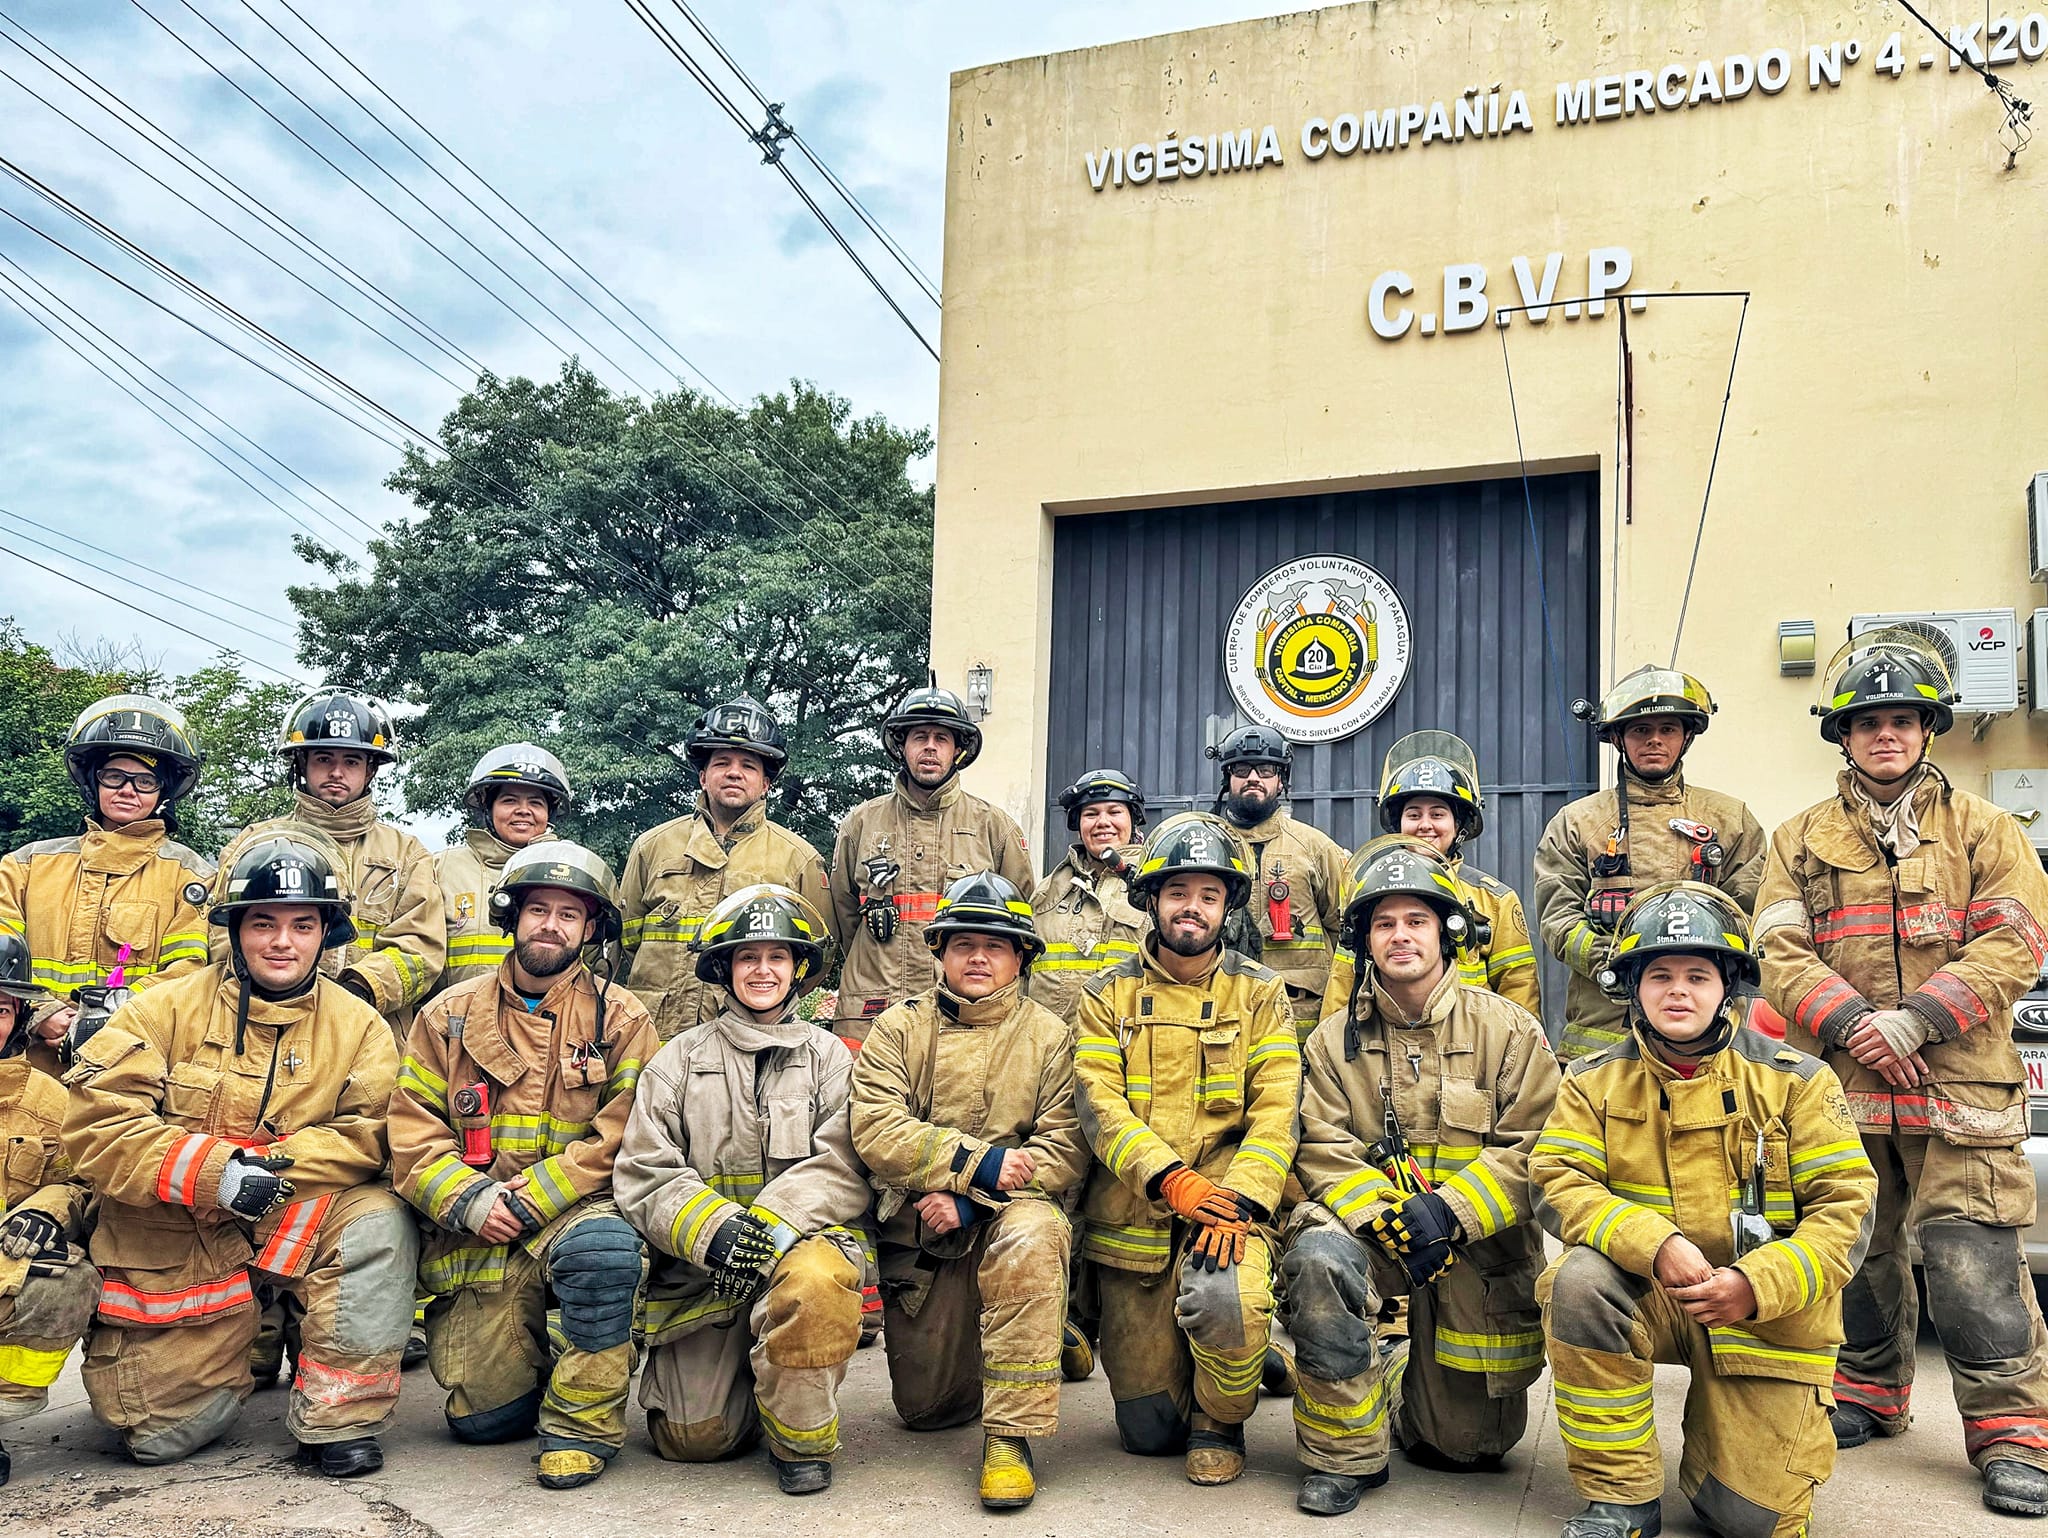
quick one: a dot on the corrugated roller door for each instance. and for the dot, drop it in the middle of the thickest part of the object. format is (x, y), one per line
(1141, 599)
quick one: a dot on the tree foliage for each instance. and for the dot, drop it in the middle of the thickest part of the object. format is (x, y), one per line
(39, 699)
(236, 722)
(590, 570)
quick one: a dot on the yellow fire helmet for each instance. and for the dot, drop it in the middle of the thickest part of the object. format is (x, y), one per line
(1888, 666)
(1395, 865)
(1432, 763)
(1648, 691)
(763, 913)
(556, 862)
(1190, 842)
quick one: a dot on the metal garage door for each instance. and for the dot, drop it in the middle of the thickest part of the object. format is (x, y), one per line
(1141, 599)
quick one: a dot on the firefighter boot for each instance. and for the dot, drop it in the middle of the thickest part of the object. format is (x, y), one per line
(1331, 1495)
(1614, 1519)
(1276, 1374)
(568, 1468)
(1215, 1451)
(801, 1476)
(2017, 1489)
(1006, 1478)
(343, 1460)
(1853, 1425)
(1077, 1356)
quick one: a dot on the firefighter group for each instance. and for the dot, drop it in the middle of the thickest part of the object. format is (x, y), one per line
(1241, 1115)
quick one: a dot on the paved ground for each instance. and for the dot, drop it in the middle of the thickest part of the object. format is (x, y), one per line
(71, 1480)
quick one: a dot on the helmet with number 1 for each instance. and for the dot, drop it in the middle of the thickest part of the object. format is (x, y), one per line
(1889, 666)
(755, 915)
(286, 868)
(985, 903)
(567, 866)
(1679, 918)
(517, 763)
(1438, 764)
(1191, 843)
(138, 726)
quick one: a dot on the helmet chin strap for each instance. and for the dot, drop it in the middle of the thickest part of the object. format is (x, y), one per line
(1903, 775)
(1677, 764)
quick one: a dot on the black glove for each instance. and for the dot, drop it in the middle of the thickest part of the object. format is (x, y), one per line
(32, 1234)
(253, 1187)
(739, 1256)
(95, 1007)
(1419, 1233)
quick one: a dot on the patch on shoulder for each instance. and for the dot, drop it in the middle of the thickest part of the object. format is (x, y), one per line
(1788, 1055)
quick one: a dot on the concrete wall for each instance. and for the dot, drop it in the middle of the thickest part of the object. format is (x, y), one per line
(1207, 337)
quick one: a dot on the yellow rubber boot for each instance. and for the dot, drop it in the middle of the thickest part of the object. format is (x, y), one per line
(565, 1469)
(1006, 1479)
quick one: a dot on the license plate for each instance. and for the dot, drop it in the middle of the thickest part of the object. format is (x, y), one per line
(2035, 1060)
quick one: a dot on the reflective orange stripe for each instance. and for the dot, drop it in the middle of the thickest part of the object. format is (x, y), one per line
(132, 1305)
(917, 907)
(291, 1242)
(181, 1167)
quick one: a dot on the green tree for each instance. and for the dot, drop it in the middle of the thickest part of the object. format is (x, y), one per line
(590, 570)
(39, 699)
(235, 721)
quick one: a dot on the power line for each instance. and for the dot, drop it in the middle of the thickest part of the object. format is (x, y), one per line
(8, 291)
(774, 111)
(769, 138)
(161, 576)
(208, 175)
(1700, 534)
(219, 646)
(77, 318)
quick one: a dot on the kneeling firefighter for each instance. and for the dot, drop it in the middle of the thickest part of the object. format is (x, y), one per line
(511, 1100)
(738, 1166)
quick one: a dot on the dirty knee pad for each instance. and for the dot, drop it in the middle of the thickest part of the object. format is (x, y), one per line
(595, 1269)
(1593, 1301)
(1209, 1310)
(1330, 1306)
(1729, 1515)
(1151, 1426)
(1973, 1290)
(507, 1423)
(374, 1303)
(173, 1444)
(1866, 1320)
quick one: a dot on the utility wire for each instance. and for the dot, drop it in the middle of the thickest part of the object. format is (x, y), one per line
(769, 447)
(8, 291)
(204, 172)
(77, 319)
(1700, 533)
(220, 646)
(161, 576)
(768, 139)
(2018, 113)
(774, 111)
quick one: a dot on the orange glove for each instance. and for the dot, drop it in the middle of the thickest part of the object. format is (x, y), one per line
(1218, 1247)
(1199, 1199)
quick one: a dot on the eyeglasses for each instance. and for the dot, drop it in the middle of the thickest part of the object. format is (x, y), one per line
(117, 779)
(1255, 771)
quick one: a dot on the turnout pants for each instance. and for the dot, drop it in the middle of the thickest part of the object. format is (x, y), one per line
(171, 1390)
(511, 1369)
(717, 1390)
(984, 1337)
(1184, 1339)
(1755, 1448)
(1969, 1206)
(41, 1319)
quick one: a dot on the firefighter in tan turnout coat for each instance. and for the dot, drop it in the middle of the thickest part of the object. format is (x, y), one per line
(738, 1166)
(1419, 1112)
(515, 794)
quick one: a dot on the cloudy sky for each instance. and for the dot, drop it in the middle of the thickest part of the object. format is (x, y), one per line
(568, 107)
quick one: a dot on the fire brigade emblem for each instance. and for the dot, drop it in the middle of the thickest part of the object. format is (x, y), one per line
(1317, 648)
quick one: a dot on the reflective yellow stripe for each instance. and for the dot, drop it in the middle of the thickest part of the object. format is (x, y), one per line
(1363, 1419)
(1358, 1191)
(695, 1213)
(1733, 1340)
(435, 1187)
(1829, 1156)
(1265, 1152)
(473, 1266)
(548, 1188)
(31, 1369)
(1510, 1352)
(1476, 1183)
(1121, 1150)
(1135, 1241)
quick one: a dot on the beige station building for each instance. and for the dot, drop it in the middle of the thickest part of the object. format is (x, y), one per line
(1224, 300)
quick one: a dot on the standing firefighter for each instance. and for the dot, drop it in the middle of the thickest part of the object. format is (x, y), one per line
(1429, 789)
(515, 795)
(1190, 1072)
(963, 1109)
(738, 1166)
(1713, 1199)
(231, 1124)
(896, 854)
(120, 904)
(47, 1288)
(1652, 827)
(1899, 922)
(1083, 906)
(677, 873)
(333, 743)
(1419, 1111)
(1289, 918)
(510, 1103)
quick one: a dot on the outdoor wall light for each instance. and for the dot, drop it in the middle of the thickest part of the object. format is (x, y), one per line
(981, 684)
(1795, 647)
